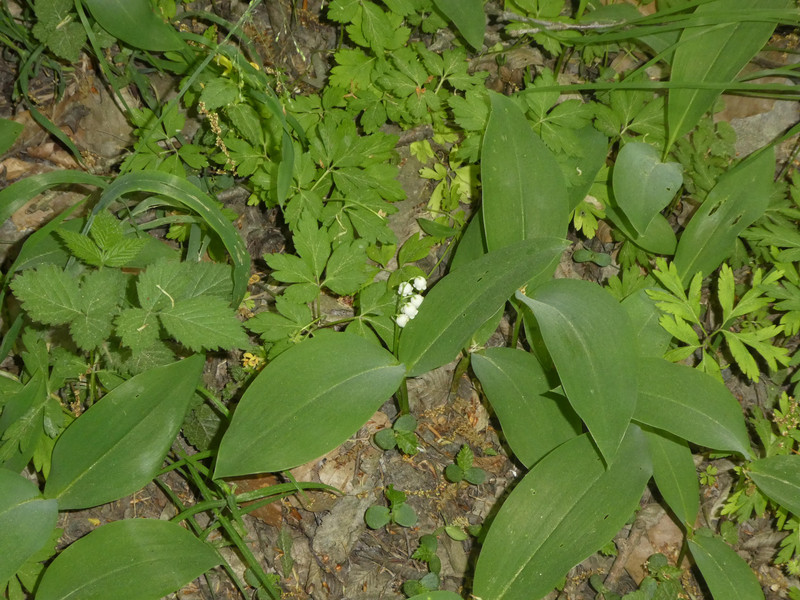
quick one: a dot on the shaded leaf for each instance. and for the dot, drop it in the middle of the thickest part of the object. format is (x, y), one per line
(675, 474)
(728, 576)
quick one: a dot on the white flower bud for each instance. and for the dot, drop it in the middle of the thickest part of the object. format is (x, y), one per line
(405, 289)
(401, 320)
(409, 310)
(415, 300)
(420, 283)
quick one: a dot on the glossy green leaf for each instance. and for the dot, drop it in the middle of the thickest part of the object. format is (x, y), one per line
(9, 132)
(135, 23)
(690, 404)
(466, 298)
(177, 192)
(467, 16)
(727, 575)
(643, 185)
(306, 402)
(675, 474)
(135, 559)
(534, 421)
(779, 478)
(26, 520)
(119, 444)
(524, 193)
(725, 49)
(658, 238)
(472, 244)
(740, 197)
(583, 169)
(592, 344)
(562, 511)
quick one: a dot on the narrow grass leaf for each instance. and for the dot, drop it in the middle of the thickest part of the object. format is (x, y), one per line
(779, 478)
(177, 192)
(26, 520)
(119, 444)
(14, 197)
(727, 575)
(725, 49)
(591, 341)
(675, 474)
(690, 404)
(740, 197)
(534, 421)
(306, 402)
(562, 511)
(135, 559)
(135, 23)
(468, 297)
(643, 185)
(467, 16)
(524, 193)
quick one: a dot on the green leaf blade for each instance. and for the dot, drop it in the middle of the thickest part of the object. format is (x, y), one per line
(285, 417)
(467, 16)
(138, 559)
(532, 543)
(135, 23)
(675, 474)
(728, 576)
(779, 478)
(595, 357)
(204, 323)
(443, 327)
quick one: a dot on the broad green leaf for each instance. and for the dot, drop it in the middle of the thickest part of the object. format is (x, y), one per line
(725, 48)
(643, 185)
(779, 478)
(466, 298)
(174, 191)
(307, 401)
(135, 23)
(533, 421)
(524, 194)
(119, 444)
(204, 323)
(675, 474)
(26, 520)
(135, 559)
(651, 338)
(727, 575)
(472, 244)
(658, 238)
(9, 132)
(437, 595)
(592, 344)
(562, 511)
(740, 197)
(691, 405)
(584, 168)
(468, 17)
(48, 295)
(101, 294)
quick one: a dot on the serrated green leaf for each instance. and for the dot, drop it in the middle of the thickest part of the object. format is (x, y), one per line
(219, 92)
(101, 293)
(312, 244)
(48, 295)
(67, 40)
(347, 271)
(207, 278)
(290, 269)
(162, 284)
(123, 252)
(725, 291)
(246, 120)
(106, 230)
(82, 247)
(464, 458)
(137, 328)
(204, 323)
(595, 357)
(201, 427)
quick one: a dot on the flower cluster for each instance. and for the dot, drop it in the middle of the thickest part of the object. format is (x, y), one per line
(411, 299)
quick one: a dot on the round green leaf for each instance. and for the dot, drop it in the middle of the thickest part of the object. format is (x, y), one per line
(566, 508)
(385, 439)
(437, 595)
(453, 473)
(690, 404)
(592, 344)
(467, 297)
(306, 402)
(119, 444)
(26, 520)
(136, 559)
(404, 515)
(728, 576)
(779, 478)
(376, 517)
(475, 475)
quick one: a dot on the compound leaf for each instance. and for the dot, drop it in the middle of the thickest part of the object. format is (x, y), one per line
(204, 323)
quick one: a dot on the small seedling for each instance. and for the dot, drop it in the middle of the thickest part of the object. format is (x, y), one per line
(401, 436)
(428, 583)
(397, 512)
(709, 476)
(462, 469)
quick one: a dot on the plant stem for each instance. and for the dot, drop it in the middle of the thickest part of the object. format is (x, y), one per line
(402, 398)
